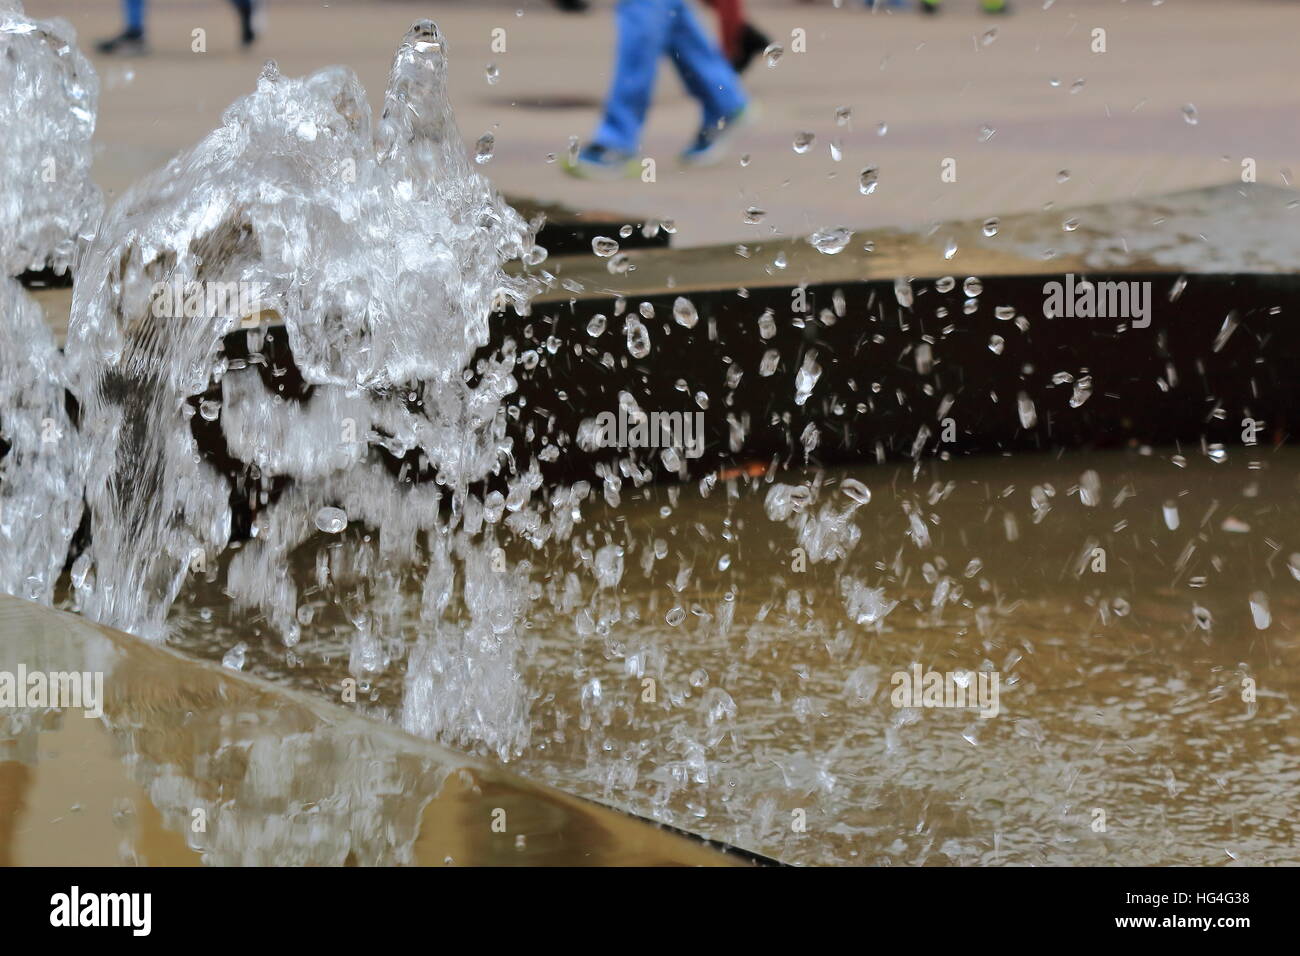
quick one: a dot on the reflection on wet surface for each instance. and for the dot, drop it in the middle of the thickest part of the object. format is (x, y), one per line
(697, 662)
(192, 765)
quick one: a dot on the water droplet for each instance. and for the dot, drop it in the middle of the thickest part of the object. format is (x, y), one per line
(1082, 391)
(773, 55)
(945, 284)
(843, 114)
(485, 148)
(972, 286)
(1190, 114)
(604, 246)
(684, 312)
(1230, 323)
(596, 326)
(805, 380)
(1259, 611)
(638, 337)
(856, 490)
(990, 227)
(903, 292)
(831, 241)
(236, 657)
(803, 141)
(493, 74)
(331, 520)
(754, 215)
(1028, 413)
(868, 180)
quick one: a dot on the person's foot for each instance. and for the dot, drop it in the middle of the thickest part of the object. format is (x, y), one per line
(752, 42)
(126, 43)
(712, 141)
(600, 162)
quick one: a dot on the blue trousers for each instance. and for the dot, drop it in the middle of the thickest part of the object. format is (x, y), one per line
(648, 29)
(134, 10)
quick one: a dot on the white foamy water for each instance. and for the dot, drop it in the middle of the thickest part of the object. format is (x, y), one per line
(378, 248)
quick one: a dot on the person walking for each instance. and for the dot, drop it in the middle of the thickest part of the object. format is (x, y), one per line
(131, 41)
(648, 29)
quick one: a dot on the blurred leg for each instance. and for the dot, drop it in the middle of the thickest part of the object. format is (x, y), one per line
(707, 74)
(245, 10)
(731, 21)
(134, 10)
(643, 32)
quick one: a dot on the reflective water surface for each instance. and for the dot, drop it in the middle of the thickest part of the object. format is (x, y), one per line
(725, 663)
(191, 765)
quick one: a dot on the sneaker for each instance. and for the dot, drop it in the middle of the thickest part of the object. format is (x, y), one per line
(600, 162)
(711, 142)
(127, 43)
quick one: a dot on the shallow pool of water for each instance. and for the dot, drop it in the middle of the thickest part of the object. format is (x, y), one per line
(739, 679)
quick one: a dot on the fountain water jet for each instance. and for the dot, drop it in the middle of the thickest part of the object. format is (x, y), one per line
(47, 117)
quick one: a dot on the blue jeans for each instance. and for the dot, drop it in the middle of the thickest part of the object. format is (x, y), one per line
(647, 29)
(134, 12)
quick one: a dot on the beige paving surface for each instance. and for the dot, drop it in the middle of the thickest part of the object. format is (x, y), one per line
(944, 88)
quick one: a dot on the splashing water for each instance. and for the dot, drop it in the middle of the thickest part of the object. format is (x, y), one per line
(40, 452)
(707, 661)
(47, 117)
(381, 252)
